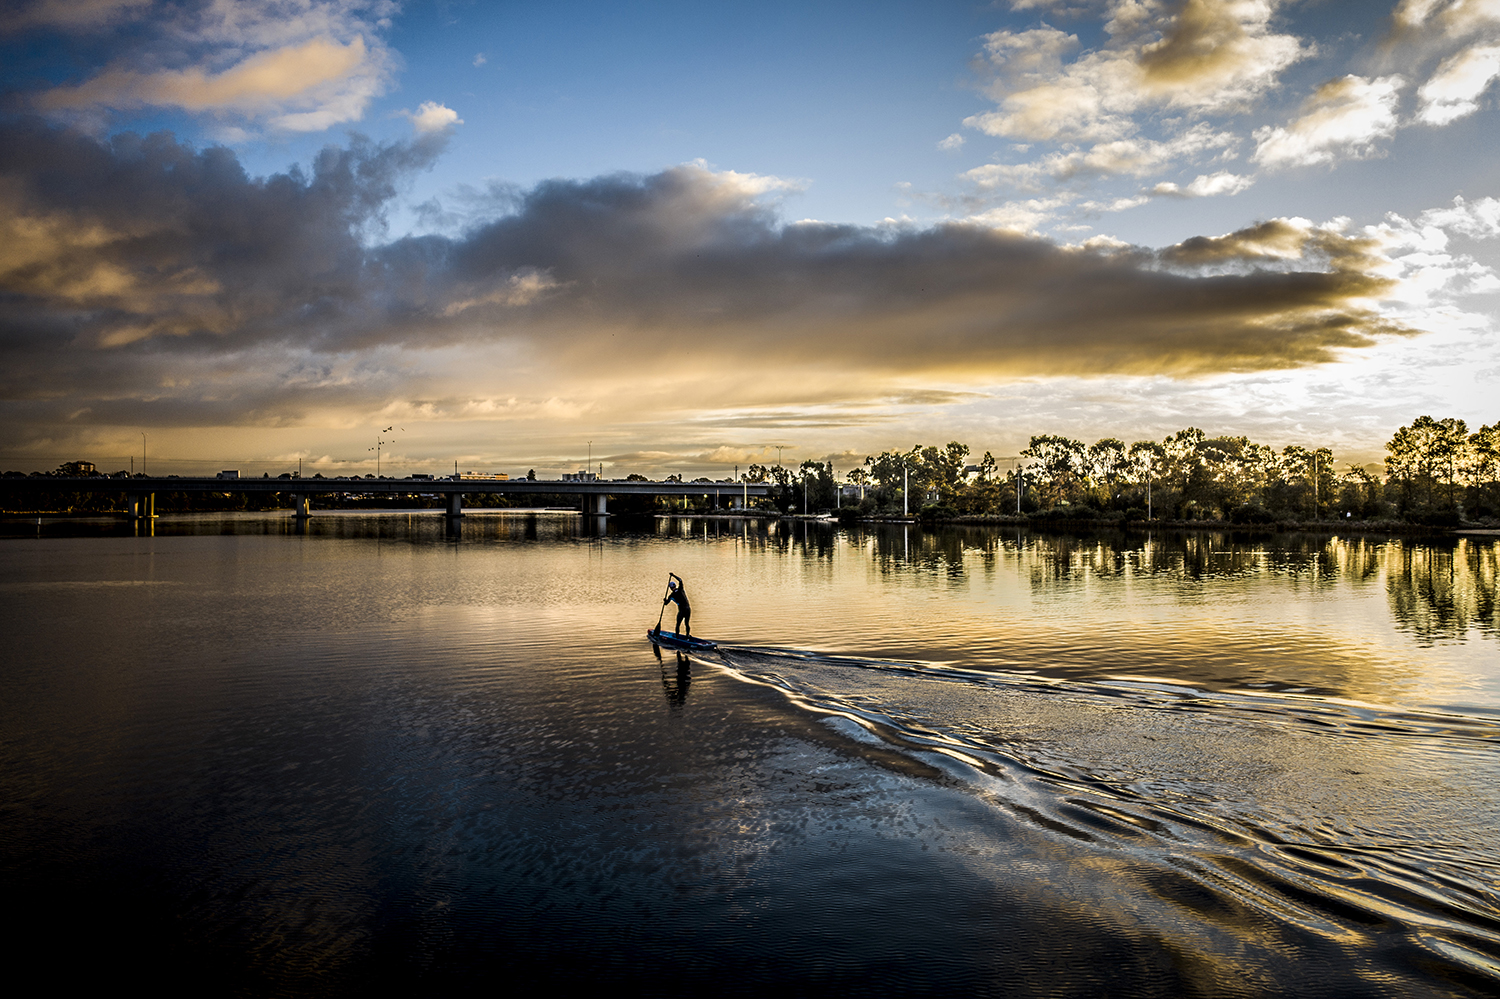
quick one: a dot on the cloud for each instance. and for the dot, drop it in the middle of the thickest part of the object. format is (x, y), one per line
(143, 238)
(1475, 219)
(1215, 184)
(302, 88)
(1454, 90)
(142, 277)
(1217, 53)
(1115, 205)
(1206, 55)
(1343, 119)
(479, 59)
(1284, 243)
(1133, 157)
(1021, 216)
(294, 65)
(431, 116)
(1419, 252)
(952, 143)
(1454, 18)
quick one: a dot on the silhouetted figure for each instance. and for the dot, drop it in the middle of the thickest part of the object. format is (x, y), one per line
(677, 594)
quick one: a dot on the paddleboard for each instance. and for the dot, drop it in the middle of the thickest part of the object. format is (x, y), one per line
(669, 640)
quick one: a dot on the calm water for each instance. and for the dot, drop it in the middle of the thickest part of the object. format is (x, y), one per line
(382, 756)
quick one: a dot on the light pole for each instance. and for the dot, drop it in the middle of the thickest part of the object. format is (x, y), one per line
(380, 440)
(143, 452)
(1315, 485)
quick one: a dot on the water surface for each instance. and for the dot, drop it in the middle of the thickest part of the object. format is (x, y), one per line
(384, 752)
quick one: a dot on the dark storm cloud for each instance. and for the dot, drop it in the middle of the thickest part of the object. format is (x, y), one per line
(142, 247)
(135, 267)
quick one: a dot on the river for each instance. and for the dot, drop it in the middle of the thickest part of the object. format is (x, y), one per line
(381, 753)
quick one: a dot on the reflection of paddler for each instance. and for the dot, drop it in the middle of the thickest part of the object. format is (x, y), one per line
(677, 594)
(675, 682)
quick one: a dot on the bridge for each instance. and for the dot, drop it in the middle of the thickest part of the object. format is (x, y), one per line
(142, 489)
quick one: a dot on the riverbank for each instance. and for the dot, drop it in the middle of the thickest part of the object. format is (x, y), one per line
(1386, 527)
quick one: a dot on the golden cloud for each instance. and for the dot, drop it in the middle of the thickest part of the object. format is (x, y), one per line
(1205, 55)
(311, 85)
(130, 260)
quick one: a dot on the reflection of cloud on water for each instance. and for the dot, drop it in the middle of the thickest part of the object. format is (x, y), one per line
(1441, 593)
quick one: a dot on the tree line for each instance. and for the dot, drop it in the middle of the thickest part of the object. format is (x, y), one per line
(1437, 472)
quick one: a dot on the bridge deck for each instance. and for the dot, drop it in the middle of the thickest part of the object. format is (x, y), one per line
(143, 489)
(554, 487)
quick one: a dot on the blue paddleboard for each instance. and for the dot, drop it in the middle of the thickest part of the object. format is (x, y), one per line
(669, 640)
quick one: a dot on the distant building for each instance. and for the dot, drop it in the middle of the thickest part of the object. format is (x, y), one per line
(492, 476)
(580, 477)
(229, 473)
(77, 468)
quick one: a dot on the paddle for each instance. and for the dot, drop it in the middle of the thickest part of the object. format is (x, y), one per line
(662, 614)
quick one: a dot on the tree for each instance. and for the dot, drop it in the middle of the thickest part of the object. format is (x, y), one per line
(1484, 466)
(1423, 456)
(1359, 492)
(888, 469)
(1061, 461)
(816, 486)
(1146, 461)
(1105, 466)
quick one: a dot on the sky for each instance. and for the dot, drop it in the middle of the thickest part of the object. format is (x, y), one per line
(685, 237)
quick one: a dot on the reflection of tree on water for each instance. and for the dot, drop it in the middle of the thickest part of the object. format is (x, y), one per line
(1200, 556)
(676, 676)
(948, 551)
(1440, 592)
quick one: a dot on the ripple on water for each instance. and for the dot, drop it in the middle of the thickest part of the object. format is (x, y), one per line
(1336, 818)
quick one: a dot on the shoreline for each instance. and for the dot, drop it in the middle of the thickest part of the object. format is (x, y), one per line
(1382, 527)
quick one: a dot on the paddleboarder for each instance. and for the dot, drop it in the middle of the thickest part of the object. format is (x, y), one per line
(677, 594)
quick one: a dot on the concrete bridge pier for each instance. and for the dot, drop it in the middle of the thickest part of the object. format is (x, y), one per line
(301, 506)
(455, 504)
(601, 508)
(143, 506)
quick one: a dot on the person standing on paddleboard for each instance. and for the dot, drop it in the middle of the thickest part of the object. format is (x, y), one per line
(677, 593)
